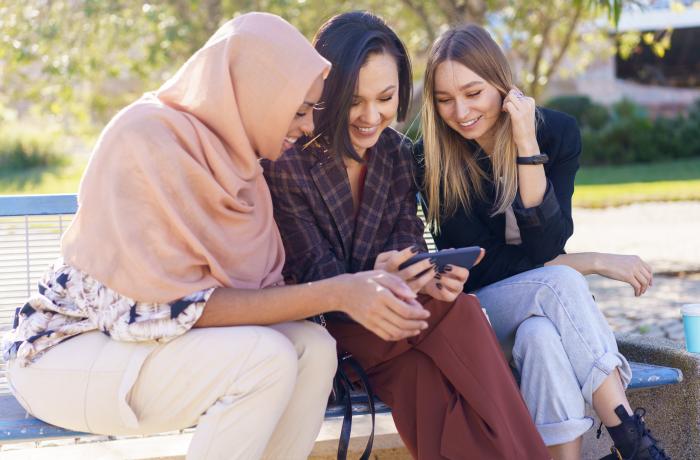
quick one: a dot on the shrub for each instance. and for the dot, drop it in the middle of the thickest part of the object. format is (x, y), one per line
(628, 134)
(689, 133)
(587, 113)
(21, 149)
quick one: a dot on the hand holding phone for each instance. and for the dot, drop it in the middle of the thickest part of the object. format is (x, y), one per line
(461, 257)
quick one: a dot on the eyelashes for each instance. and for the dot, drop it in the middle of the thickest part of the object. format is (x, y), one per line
(383, 99)
(470, 95)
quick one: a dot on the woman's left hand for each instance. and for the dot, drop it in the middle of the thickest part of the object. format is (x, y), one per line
(628, 268)
(448, 284)
(522, 114)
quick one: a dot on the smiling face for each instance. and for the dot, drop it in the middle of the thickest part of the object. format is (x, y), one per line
(303, 122)
(466, 102)
(375, 102)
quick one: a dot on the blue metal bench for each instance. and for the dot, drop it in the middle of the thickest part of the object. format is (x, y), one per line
(27, 245)
(17, 425)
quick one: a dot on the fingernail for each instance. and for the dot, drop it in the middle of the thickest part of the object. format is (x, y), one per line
(438, 276)
(439, 286)
(448, 268)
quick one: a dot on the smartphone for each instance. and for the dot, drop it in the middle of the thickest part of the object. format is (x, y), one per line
(461, 257)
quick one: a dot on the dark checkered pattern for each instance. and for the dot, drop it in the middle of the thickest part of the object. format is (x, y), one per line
(313, 209)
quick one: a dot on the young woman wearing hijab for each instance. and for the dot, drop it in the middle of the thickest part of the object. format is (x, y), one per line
(345, 201)
(487, 182)
(174, 257)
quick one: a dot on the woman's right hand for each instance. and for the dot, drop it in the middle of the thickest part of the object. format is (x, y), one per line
(384, 304)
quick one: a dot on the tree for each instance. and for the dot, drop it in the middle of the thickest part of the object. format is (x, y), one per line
(78, 61)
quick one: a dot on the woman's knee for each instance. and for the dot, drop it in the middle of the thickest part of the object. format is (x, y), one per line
(468, 304)
(315, 348)
(319, 351)
(266, 348)
(564, 277)
(536, 334)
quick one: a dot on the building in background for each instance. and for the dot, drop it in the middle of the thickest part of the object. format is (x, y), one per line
(665, 86)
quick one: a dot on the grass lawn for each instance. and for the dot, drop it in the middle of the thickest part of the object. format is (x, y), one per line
(596, 187)
(602, 186)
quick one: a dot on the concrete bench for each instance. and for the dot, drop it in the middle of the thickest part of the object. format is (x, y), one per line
(30, 230)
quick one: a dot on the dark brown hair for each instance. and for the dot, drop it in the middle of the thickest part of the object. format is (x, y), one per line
(347, 40)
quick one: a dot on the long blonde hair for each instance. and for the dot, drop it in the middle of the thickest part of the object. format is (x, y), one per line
(452, 174)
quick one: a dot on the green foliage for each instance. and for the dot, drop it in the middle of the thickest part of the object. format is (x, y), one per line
(587, 113)
(688, 133)
(22, 150)
(554, 38)
(626, 133)
(76, 62)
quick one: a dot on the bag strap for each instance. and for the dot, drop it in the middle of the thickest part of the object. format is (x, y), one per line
(344, 441)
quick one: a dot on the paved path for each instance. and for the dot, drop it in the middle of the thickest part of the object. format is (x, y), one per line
(667, 235)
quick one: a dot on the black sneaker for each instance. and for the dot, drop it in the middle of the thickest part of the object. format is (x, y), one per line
(634, 438)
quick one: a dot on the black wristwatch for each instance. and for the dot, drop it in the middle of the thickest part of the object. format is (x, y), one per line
(540, 159)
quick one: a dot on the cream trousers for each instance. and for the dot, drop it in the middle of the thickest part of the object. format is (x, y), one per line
(253, 391)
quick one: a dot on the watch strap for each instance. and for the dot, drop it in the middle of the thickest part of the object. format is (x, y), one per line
(540, 159)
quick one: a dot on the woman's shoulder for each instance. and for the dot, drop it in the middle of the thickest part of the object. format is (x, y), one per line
(556, 131)
(296, 160)
(391, 139)
(554, 123)
(143, 118)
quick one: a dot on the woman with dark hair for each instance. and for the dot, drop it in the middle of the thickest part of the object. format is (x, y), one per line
(345, 201)
(168, 308)
(499, 173)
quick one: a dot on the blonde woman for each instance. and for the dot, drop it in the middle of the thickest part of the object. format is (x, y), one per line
(498, 172)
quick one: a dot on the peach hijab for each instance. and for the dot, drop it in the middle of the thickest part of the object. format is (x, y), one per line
(173, 199)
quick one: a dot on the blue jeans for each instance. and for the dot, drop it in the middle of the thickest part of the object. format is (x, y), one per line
(561, 345)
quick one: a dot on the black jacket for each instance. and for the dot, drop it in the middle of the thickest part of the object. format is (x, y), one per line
(544, 229)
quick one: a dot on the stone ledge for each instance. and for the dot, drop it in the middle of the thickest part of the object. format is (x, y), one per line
(673, 411)
(386, 447)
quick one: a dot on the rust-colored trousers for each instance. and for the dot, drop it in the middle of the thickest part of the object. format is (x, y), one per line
(451, 392)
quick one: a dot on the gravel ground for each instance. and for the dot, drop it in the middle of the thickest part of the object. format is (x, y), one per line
(667, 235)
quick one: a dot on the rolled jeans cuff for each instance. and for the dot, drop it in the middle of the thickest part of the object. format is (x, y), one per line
(602, 368)
(566, 431)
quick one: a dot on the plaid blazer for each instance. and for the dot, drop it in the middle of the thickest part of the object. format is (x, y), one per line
(314, 211)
